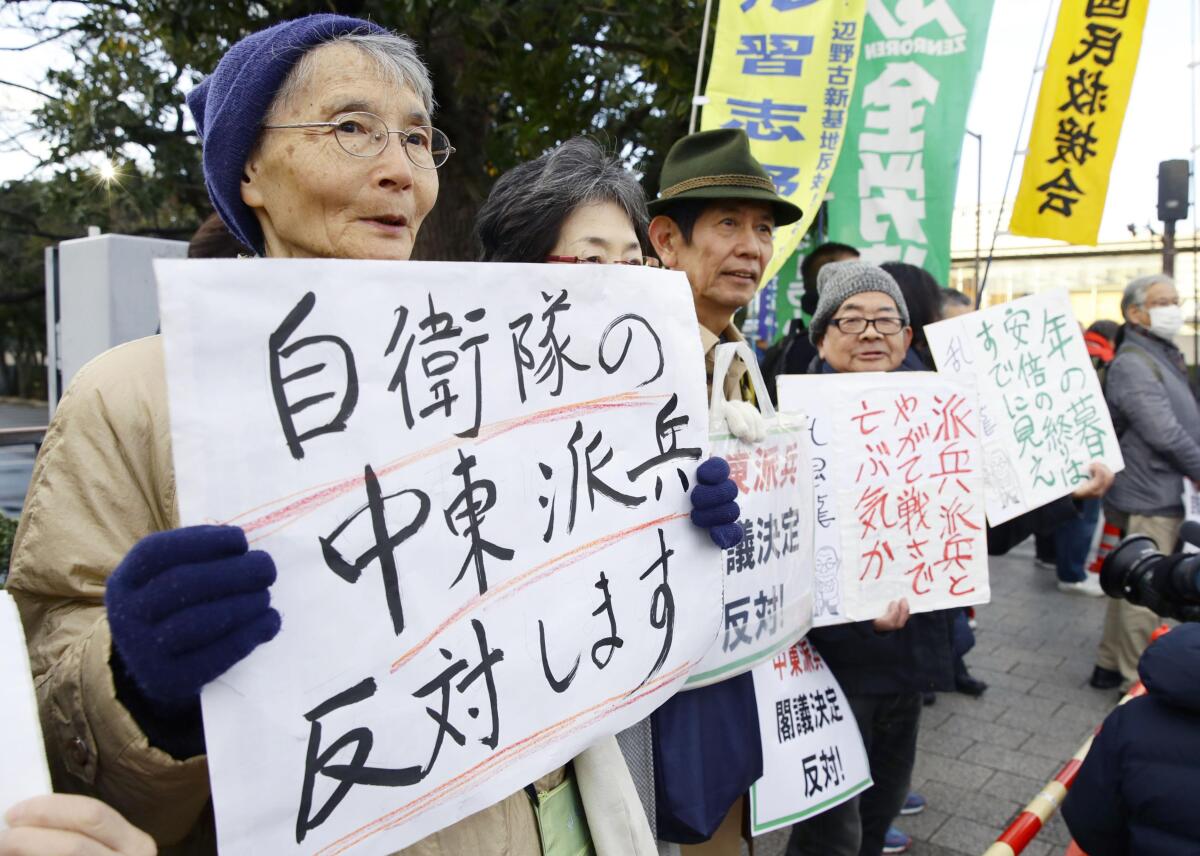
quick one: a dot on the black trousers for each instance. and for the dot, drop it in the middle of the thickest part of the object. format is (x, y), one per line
(888, 724)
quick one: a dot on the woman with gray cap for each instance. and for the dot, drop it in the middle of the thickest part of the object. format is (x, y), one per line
(862, 324)
(317, 143)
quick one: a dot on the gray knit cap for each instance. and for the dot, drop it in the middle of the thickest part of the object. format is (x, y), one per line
(838, 281)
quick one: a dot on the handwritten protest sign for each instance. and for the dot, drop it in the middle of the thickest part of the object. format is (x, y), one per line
(905, 470)
(813, 754)
(21, 746)
(1042, 412)
(473, 481)
(768, 574)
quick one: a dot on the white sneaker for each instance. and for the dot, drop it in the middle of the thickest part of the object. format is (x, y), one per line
(1090, 586)
(1044, 565)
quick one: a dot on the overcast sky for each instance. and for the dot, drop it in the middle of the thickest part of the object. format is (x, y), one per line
(1158, 124)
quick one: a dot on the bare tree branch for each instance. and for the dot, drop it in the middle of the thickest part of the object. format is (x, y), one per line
(57, 35)
(29, 89)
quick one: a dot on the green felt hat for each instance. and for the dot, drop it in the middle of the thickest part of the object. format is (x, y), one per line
(718, 165)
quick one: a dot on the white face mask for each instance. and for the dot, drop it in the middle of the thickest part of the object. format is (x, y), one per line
(1165, 321)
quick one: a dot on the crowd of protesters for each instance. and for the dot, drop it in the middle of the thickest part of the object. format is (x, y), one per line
(128, 615)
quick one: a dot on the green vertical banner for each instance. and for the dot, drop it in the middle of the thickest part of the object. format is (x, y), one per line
(893, 189)
(786, 289)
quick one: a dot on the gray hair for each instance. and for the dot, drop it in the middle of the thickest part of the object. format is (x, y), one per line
(1135, 292)
(394, 54)
(523, 216)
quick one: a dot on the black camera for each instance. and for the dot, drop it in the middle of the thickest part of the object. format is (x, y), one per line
(1168, 585)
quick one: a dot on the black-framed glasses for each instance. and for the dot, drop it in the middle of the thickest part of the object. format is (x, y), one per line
(365, 135)
(853, 326)
(648, 261)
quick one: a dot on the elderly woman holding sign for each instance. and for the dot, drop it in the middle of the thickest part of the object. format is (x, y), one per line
(318, 142)
(863, 324)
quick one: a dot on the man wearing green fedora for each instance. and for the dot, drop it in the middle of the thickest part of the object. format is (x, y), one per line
(714, 219)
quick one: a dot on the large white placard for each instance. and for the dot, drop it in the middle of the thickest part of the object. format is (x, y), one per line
(473, 481)
(1042, 412)
(768, 574)
(813, 754)
(25, 771)
(904, 466)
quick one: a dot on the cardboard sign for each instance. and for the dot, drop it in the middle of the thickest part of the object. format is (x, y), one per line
(905, 468)
(1042, 412)
(25, 772)
(813, 754)
(473, 481)
(768, 575)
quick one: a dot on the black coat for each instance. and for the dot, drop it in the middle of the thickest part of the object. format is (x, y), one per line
(1138, 790)
(917, 658)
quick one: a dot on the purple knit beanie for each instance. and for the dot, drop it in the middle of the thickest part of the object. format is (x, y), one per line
(229, 106)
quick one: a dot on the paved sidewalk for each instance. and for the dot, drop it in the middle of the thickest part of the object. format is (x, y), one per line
(981, 760)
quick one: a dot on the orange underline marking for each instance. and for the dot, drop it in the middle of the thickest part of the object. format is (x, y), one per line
(535, 574)
(398, 816)
(302, 502)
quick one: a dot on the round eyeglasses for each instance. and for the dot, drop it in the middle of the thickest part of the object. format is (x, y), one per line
(648, 261)
(885, 326)
(365, 135)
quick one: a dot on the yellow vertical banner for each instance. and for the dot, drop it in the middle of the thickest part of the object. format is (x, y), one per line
(783, 70)
(1085, 87)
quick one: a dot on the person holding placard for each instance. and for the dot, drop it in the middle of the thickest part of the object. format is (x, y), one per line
(862, 324)
(713, 219)
(577, 205)
(318, 142)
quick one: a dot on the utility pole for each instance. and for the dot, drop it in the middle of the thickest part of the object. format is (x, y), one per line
(978, 207)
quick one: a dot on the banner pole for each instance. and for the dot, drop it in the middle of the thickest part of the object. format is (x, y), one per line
(700, 66)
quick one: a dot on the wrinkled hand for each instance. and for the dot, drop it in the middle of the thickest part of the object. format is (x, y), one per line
(713, 506)
(187, 604)
(895, 618)
(67, 825)
(1096, 486)
(745, 422)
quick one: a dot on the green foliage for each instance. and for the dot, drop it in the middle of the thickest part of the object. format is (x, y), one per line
(8, 531)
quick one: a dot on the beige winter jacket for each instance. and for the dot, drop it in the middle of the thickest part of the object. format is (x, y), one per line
(103, 480)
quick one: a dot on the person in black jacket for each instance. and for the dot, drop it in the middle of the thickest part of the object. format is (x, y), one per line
(1136, 790)
(884, 666)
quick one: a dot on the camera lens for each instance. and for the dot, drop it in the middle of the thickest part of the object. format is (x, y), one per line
(1121, 570)
(1185, 577)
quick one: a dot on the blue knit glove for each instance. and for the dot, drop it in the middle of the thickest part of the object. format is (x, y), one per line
(185, 605)
(713, 506)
